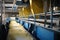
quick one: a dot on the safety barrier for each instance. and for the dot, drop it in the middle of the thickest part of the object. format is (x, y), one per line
(41, 33)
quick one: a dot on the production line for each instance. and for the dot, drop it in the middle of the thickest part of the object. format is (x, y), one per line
(29, 19)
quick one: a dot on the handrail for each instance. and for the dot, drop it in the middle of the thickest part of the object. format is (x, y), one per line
(40, 20)
(43, 14)
(42, 25)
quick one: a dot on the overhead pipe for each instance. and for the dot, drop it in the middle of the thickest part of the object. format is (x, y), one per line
(31, 8)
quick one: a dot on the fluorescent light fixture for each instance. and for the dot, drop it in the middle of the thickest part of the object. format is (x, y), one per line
(10, 5)
(55, 8)
(0, 14)
(19, 0)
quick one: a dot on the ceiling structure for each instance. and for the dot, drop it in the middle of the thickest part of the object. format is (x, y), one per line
(37, 7)
(8, 6)
(9, 1)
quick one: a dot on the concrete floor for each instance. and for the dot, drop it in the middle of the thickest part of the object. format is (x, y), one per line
(17, 32)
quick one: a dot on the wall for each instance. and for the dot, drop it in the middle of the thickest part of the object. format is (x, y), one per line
(37, 8)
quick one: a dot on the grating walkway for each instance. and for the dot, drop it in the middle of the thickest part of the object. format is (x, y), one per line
(17, 32)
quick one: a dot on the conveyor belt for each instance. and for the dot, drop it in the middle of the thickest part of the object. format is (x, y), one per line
(17, 32)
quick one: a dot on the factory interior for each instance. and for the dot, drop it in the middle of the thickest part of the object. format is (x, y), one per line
(29, 19)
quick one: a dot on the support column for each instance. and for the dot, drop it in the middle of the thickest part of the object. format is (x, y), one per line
(1, 10)
(51, 10)
(45, 11)
(3, 15)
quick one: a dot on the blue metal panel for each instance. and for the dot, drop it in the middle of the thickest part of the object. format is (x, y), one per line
(21, 22)
(44, 34)
(26, 25)
(17, 20)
